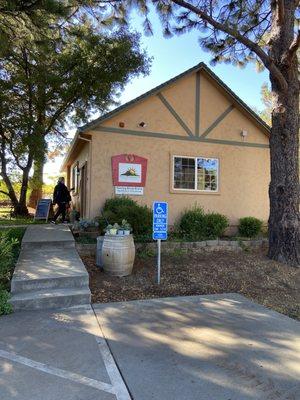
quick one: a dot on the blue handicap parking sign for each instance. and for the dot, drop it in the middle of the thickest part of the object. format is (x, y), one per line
(160, 220)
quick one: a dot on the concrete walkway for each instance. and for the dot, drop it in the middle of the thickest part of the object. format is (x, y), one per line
(188, 348)
(49, 272)
(57, 355)
(220, 347)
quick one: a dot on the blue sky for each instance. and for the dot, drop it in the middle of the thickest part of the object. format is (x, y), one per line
(179, 53)
(175, 55)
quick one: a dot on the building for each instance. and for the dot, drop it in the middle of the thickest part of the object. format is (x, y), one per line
(190, 140)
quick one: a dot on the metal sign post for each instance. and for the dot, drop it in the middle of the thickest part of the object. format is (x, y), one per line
(160, 229)
(158, 260)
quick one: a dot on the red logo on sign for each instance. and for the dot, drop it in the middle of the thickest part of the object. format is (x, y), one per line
(129, 170)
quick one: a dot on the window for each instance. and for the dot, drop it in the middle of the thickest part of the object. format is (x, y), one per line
(196, 173)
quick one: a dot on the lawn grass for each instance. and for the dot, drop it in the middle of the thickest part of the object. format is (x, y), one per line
(7, 220)
(20, 221)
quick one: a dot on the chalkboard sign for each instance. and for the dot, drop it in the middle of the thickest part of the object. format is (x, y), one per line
(43, 209)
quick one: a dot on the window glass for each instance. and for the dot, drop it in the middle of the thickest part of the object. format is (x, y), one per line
(207, 174)
(184, 173)
(204, 170)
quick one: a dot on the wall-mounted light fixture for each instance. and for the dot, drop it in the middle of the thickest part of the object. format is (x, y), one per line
(142, 124)
(121, 124)
(244, 133)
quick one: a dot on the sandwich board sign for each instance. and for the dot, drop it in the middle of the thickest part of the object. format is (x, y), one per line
(160, 229)
(43, 209)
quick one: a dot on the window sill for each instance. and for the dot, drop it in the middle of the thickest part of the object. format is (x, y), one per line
(195, 192)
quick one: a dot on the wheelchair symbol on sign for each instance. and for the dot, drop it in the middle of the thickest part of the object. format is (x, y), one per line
(159, 210)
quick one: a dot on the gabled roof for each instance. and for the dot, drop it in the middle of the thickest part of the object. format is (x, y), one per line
(202, 66)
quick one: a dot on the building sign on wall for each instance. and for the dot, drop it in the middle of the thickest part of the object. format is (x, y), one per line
(126, 190)
(129, 173)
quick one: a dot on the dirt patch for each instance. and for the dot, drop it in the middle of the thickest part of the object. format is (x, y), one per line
(250, 273)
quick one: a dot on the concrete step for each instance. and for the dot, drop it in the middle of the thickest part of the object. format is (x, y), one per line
(43, 236)
(50, 299)
(45, 245)
(32, 285)
(52, 268)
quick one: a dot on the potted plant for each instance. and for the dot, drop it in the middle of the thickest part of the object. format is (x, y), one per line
(126, 227)
(114, 229)
(108, 228)
(121, 231)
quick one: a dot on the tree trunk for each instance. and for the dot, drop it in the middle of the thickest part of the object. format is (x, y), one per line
(36, 183)
(284, 220)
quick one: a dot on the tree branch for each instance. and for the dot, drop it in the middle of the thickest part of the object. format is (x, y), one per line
(267, 61)
(292, 49)
(57, 114)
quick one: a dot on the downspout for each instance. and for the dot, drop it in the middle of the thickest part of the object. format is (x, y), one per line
(90, 171)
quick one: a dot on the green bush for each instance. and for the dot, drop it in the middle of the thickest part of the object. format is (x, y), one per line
(15, 235)
(10, 240)
(118, 208)
(250, 226)
(7, 245)
(191, 224)
(214, 225)
(5, 306)
(194, 224)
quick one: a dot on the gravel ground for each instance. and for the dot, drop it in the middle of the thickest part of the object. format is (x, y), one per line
(250, 273)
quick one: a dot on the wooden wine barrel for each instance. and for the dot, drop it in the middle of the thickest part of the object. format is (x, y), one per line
(118, 254)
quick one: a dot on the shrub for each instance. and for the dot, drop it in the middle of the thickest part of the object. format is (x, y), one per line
(117, 209)
(196, 225)
(5, 306)
(191, 224)
(7, 256)
(250, 226)
(215, 225)
(10, 240)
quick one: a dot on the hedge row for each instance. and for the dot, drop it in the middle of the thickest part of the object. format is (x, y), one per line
(194, 224)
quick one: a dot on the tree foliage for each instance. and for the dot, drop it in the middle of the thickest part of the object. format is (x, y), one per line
(53, 84)
(235, 31)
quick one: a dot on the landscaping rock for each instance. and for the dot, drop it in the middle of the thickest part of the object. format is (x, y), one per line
(212, 242)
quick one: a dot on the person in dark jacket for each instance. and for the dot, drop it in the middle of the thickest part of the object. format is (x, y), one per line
(61, 197)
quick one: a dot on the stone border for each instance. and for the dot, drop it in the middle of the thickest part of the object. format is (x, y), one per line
(169, 246)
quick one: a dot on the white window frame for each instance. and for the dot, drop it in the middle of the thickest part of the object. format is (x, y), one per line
(196, 175)
(75, 177)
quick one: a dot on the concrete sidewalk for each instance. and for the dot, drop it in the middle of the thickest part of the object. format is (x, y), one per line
(219, 347)
(56, 355)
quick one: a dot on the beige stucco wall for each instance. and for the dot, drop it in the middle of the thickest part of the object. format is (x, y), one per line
(244, 170)
(243, 178)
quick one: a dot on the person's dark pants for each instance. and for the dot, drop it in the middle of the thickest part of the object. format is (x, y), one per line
(61, 211)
